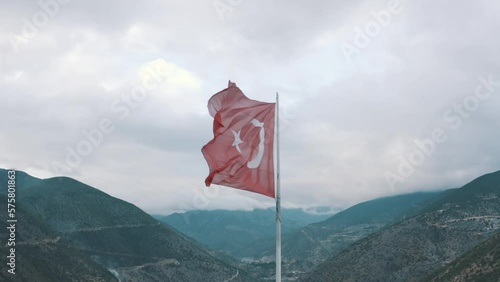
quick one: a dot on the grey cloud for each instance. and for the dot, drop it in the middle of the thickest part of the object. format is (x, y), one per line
(348, 122)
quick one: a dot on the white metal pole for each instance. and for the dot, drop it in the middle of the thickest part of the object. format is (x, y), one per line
(278, 195)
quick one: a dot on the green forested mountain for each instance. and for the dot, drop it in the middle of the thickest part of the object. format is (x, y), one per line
(237, 232)
(306, 248)
(68, 231)
(413, 248)
(482, 263)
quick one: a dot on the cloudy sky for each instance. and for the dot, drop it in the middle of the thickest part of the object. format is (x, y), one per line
(377, 97)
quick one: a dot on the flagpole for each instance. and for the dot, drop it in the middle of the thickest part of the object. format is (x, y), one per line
(278, 194)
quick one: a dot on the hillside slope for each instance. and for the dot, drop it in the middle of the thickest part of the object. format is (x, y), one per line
(413, 248)
(41, 257)
(318, 241)
(308, 247)
(482, 263)
(66, 225)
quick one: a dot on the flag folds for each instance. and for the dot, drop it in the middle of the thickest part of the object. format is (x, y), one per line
(241, 154)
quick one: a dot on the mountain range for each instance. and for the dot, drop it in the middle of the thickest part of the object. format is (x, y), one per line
(237, 232)
(306, 248)
(456, 220)
(69, 231)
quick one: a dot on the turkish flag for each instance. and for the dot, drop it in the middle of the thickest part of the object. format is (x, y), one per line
(241, 153)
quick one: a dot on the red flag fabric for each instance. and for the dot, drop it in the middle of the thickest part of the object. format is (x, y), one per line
(241, 154)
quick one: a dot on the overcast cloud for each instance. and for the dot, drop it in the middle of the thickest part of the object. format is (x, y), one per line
(354, 106)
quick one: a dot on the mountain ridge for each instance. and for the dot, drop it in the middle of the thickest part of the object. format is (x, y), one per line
(414, 247)
(70, 222)
(240, 228)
